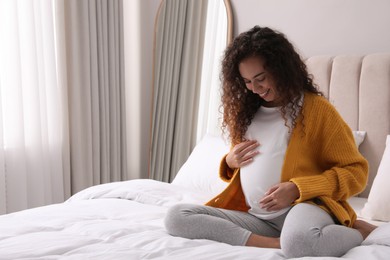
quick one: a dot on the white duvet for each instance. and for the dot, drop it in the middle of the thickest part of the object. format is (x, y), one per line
(124, 220)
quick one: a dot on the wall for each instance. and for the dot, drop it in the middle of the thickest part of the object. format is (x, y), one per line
(139, 18)
(323, 26)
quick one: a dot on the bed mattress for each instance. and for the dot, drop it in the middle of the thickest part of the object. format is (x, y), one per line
(125, 220)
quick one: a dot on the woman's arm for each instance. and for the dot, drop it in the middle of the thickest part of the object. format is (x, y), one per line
(345, 170)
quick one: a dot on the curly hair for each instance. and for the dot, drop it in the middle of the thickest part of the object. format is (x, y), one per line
(280, 60)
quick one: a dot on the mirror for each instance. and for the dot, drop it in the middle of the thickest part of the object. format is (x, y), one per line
(190, 37)
(219, 33)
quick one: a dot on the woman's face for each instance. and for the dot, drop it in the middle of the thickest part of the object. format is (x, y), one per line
(259, 81)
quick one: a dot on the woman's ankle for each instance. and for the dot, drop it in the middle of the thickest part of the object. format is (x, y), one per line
(262, 241)
(364, 227)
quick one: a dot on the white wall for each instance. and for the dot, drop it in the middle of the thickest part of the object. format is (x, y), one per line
(322, 26)
(138, 42)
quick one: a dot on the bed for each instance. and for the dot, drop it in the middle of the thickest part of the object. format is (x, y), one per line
(124, 220)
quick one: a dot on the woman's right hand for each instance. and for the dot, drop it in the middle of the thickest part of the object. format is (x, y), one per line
(242, 154)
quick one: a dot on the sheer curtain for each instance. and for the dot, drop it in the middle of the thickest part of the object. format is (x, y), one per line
(62, 101)
(33, 156)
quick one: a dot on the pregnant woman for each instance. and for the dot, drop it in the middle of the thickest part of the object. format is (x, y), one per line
(293, 161)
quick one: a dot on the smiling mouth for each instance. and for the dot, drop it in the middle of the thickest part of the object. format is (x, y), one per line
(262, 95)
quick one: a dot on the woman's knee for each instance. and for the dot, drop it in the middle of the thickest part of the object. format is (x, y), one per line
(175, 219)
(302, 231)
(296, 244)
(328, 241)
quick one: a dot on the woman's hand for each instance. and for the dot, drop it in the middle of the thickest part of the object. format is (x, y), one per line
(242, 154)
(280, 196)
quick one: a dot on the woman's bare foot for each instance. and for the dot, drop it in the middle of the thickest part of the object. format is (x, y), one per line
(261, 241)
(364, 227)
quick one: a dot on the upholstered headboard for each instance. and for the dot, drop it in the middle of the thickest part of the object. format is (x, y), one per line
(359, 88)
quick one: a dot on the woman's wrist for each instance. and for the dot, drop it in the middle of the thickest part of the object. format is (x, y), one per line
(294, 191)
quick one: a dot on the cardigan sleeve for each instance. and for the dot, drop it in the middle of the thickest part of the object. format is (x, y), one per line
(225, 172)
(344, 170)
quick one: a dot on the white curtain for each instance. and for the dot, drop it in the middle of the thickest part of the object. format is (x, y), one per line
(62, 100)
(33, 157)
(94, 67)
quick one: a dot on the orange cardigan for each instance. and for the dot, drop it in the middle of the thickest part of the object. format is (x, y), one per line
(323, 161)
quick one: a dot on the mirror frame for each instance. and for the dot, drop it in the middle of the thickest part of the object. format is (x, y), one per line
(229, 14)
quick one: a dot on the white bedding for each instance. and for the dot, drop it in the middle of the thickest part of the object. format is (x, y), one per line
(124, 220)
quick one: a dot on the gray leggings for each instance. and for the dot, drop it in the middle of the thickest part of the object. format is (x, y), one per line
(307, 229)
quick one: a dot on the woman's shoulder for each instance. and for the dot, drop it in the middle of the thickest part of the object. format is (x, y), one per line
(315, 101)
(318, 107)
(313, 97)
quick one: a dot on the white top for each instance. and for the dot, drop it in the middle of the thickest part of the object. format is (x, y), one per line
(269, 129)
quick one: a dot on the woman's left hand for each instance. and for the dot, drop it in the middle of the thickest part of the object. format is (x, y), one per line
(280, 196)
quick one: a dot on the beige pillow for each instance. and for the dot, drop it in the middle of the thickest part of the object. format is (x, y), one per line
(377, 206)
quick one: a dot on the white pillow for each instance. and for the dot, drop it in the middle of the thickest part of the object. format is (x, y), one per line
(380, 236)
(201, 170)
(359, 137)
(377, 206)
